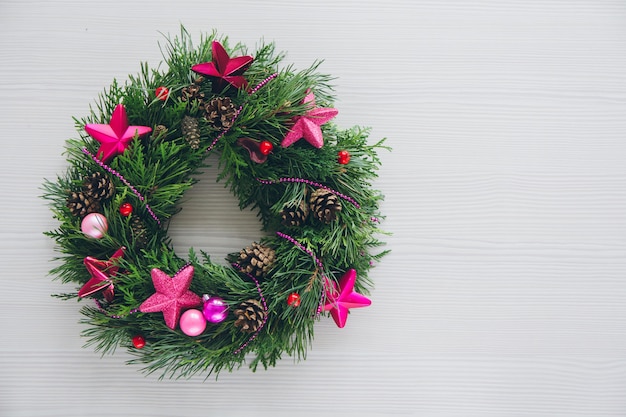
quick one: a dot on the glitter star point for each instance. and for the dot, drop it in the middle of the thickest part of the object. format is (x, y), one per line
(115, 137)
(308, 125)
(172, 295)
(341, 298)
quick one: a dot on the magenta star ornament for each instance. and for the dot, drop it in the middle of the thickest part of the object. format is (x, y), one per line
(172, 295)
(102, 273)
(115, 137)
(223, 69)
(308, 125)
(340, 298)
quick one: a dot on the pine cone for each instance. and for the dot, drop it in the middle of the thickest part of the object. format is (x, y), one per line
(220, 112)
(139, 232)
(98, 186)
(324, 205)
(256, 259)
(250, 316)
(81, 205)
(158, 131)
(191, 131)
(294, 216)
(192, 92)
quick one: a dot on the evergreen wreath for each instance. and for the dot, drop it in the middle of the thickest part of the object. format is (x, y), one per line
(143, 147)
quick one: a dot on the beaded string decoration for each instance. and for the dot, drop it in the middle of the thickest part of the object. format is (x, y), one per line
(137, 155)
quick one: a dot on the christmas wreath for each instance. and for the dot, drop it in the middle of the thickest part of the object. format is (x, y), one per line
(143, 145)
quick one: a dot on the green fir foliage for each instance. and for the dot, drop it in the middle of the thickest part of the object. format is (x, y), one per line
(162, 168)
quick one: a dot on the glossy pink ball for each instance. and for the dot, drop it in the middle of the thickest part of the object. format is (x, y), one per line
(192, 322)
(94, 225)
(215, 310)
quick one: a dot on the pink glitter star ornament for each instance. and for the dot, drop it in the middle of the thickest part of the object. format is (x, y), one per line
(101, 274)
(340, 298)
(115, 137)
(172, 295)
(308, 125)
(223, 69)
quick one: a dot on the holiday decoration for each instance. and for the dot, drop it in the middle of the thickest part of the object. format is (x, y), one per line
(250, 316)
(101, 273)
(215, 310)
(162, 93)
(126, 209)
(343, 157)
(340, 298)
(139, 342)
(224, 69)
(294, 299)
(307, 126)
(266, 147)
(218, 104)
(115, 137)
(192, 322)
(94, 225)
(172, 295)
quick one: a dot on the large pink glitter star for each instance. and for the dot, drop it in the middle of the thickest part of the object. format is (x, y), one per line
(223, 69)
(101, 273)
(339, 299)
(115, 137)
(308, 125)
(171, 296)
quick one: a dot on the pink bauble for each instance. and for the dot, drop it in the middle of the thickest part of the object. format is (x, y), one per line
(94, 225)
(215, 310)
(192, 322)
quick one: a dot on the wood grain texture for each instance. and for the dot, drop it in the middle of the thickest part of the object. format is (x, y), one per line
(505, 293)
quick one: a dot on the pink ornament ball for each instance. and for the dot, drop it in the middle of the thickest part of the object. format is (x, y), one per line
(215, 310)
(94, 225)
(192, 322)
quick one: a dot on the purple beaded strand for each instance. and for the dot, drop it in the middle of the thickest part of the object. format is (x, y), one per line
(313, 183)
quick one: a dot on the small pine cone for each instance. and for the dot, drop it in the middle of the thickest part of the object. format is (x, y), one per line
(192, 92)
(294, 216)
(220, 113)
(250, 316)
(159, 130)
(324, 205)
(139, 232)
(256, 259)
(81, 205)
(98, 186)
(191, 131)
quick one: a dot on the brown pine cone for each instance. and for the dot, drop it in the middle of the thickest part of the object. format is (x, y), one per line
(294, 216)
(139, 232)
(192, 92)
(324, 205)
(220, 113)
(191, 131)
(81, 205)
(158, 131)
(98, 186)
(256, 259)
(250, 316)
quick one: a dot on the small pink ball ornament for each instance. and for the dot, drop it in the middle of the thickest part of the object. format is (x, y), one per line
(94, 225)
(215, 310)
(192, 322)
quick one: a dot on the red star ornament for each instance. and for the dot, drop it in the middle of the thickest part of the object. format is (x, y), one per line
(115, 137)
(101, 274)
(308, 125)
(171, 296)
(341, 298)
(223, 69)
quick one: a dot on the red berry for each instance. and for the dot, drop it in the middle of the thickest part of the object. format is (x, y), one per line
(266, 147)
(126, 209)
(343, 157)
(139, 341)
(162, 93)
(294, 299)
